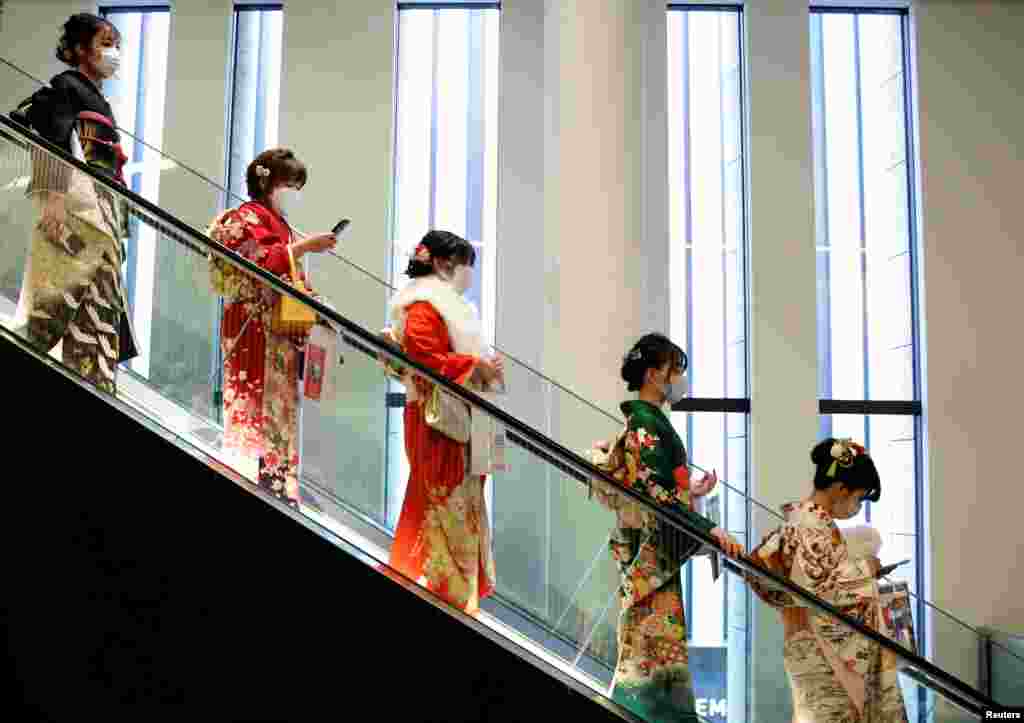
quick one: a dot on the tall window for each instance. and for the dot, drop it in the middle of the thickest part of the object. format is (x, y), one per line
(253, 113)
(137, 96)
(255, 89)
(868, 358)
(445, 156)
(709, 313)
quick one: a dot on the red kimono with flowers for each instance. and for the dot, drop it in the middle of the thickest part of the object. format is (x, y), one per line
(261, 369)
(442, 531)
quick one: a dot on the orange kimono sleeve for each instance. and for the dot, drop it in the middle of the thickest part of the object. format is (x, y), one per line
(426, 341)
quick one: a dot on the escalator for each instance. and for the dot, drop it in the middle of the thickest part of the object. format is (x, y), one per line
(142, 577)
(183, 366)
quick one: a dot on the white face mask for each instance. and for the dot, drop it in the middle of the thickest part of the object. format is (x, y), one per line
(461, 279)
(676, 391)
(109, 63)
(288, 199)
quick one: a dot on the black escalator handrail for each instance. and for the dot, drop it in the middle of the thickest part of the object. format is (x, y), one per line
(550, 450)
(230, 196)
(926, 673)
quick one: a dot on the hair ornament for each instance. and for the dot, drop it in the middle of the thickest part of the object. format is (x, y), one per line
(844, 452)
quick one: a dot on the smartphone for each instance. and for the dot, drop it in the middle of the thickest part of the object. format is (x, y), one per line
(887, 569)
(339, 228)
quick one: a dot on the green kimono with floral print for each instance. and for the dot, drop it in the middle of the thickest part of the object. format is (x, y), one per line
(652, 677)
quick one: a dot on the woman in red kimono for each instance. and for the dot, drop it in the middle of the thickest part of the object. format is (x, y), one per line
(261, 368)
(442, 532)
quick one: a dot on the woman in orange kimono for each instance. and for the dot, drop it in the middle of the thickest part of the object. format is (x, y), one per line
(836, 674)
(261, 368)
(442, 534)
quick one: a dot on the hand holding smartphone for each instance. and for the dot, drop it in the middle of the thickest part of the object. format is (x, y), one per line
(340, 227)
(887, 569)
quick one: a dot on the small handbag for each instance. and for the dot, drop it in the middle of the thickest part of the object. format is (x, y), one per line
(291, 317)
(447, 414)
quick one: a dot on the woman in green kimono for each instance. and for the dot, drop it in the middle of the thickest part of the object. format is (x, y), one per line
(652, 677)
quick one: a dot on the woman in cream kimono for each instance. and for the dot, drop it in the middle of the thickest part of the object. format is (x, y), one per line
(442, 535)
(73, 293)
(836, 674)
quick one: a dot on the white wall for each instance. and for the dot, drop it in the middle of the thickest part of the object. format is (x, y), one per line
(197, 85)
(582, 107)
(971, 101)
(783, 354)
(29, 32)
(337, 90)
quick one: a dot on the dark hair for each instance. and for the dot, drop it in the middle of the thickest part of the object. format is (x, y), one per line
(280, 165)
(651, 352)
(859, 474)
(442, 245)
(80, 29)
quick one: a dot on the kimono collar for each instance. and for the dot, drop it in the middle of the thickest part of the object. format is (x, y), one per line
(265, 207)
(459, 315)
(83, 78)
(807, 513)
(631, 406)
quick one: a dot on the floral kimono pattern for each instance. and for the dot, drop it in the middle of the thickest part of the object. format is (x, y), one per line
(442, 534)
(261, 368)
(652, 677)
(836, 675)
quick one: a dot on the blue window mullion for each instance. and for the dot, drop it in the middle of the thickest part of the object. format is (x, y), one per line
(723, 165)
(688, 602)
(260, 135)
(824, 257)
(138, 153)
(862, 219)
(436, 48)
(475, 147)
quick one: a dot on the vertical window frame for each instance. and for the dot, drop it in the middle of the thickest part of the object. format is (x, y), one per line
(395, 399)
(913, 408)
(725, 405)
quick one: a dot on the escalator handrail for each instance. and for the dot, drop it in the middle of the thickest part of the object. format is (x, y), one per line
(565, 459)
(231, 197)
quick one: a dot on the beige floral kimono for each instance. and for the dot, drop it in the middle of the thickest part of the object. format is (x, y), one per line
(836, 674)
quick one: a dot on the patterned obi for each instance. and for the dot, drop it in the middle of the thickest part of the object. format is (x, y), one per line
(101, 143)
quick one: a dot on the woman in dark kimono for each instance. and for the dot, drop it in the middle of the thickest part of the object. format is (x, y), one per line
(652, 677)
(73, 290)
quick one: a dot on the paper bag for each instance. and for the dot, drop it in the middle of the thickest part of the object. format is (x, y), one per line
(320, 373)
